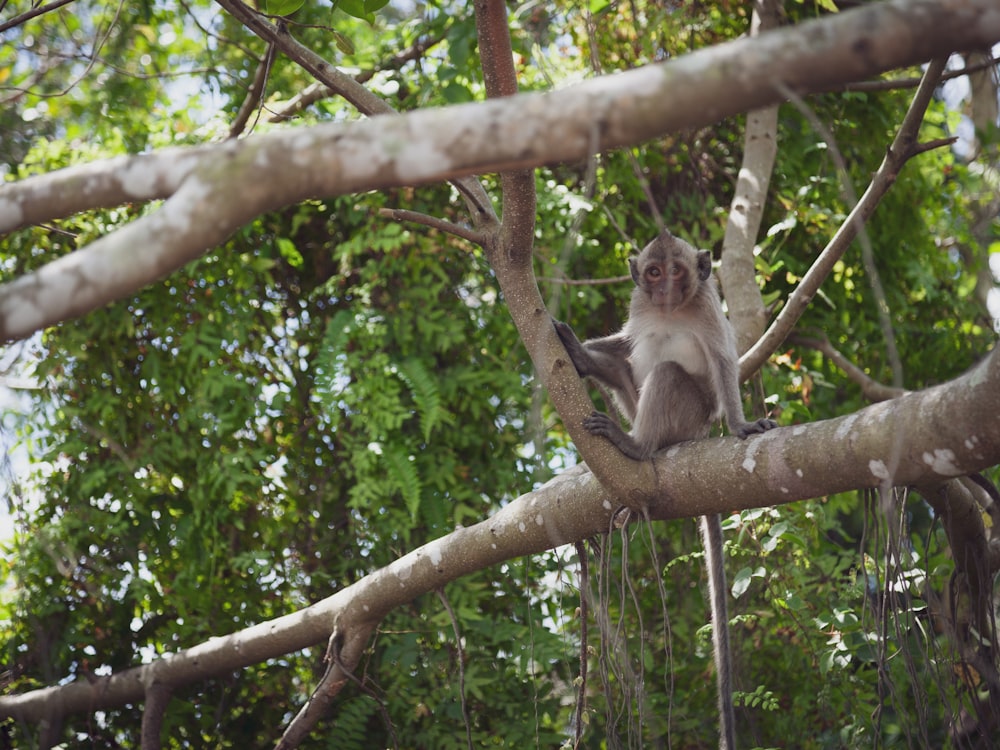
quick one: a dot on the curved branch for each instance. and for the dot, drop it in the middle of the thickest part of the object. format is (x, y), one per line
(918, 439)
(402, 214)
(433, 145)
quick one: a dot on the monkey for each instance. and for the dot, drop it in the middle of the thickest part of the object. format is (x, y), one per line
(673, 371)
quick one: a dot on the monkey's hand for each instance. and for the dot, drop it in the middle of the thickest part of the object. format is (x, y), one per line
(577, 354)
(754, 428)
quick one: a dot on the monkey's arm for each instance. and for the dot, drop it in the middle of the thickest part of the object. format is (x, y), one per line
(732, 403)
(605, 360)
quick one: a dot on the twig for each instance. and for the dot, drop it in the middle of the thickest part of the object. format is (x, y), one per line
(581, 694)
(254, 94)
(402, 214)
(33, 13)
(344, 85)
(871, 389)
(910, 83)
(461, 665)
(585, 282)
(319, 90)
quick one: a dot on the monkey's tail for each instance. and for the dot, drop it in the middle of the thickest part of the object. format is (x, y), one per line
(711, 531)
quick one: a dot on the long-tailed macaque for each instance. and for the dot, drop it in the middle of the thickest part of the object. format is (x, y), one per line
(673, 370)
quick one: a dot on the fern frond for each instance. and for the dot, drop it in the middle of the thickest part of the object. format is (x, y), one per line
(403, 472)
(426, 396)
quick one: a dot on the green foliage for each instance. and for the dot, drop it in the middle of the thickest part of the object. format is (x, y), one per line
(329, 390)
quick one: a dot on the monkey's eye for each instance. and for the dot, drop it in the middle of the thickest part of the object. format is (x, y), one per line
(653, 272)
(675, 271)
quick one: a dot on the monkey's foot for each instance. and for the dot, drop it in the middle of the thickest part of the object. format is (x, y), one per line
(755, 428)
(602, 425)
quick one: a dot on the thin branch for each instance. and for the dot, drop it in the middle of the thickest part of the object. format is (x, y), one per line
(871, 389)
(254, 94)
(901, 150)
(850, 197)
(585, 282)
(894, 84)
(402, 214)
(461, 664)
(319, 90)
(344, 85)
(33, 13)
(342, 656)
(581, 693)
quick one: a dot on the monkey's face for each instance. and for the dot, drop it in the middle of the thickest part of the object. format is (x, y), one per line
(667, 283)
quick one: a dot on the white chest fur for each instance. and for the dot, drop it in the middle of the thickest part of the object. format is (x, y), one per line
(666, 340)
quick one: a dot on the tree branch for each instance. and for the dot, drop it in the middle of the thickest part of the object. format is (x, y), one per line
(402, 214)
(157, 699)
(919, 438)
(899, 152)
(33, 13)
(344, 85)
(737, 273)
(429, 146)
(255, 93)
(871, 389)
(319, 90)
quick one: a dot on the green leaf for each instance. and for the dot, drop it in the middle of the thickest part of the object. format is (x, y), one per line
(289, 252)
(344, 44)
(283, 7)
(356, 9)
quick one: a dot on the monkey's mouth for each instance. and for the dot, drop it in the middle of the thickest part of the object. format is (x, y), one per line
(669, 302)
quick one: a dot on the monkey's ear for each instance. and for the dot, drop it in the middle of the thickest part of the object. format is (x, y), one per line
(704, 264)
(633, 267)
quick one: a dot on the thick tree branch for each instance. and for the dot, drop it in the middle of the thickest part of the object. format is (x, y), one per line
(433, 145)
(921, 438)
